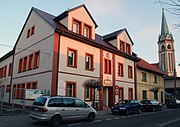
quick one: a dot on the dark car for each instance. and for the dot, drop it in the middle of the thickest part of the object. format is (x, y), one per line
(151, 105)
(126, 107)
(172, 103)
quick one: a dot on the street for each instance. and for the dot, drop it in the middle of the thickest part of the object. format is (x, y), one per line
(166, 118)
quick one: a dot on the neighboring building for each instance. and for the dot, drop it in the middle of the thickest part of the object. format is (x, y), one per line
(58, 54)
(150, 82)
(167, 61)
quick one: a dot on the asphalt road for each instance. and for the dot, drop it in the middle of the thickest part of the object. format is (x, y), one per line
(166, 118)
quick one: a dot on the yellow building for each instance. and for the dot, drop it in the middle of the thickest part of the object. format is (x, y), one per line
(150, 82)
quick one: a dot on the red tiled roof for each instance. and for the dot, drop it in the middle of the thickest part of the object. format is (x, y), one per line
(155, 65)
(147, 66)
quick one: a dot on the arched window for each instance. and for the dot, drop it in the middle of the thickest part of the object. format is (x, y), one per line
(162, 48)
(169, 46)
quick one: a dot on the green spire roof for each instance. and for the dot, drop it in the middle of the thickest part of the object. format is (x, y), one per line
(164, 26)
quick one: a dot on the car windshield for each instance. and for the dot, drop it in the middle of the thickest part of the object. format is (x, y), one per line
(40, 101)
(124, 102)
(154, 102)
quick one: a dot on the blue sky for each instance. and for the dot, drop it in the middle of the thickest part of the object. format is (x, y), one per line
(142, 19)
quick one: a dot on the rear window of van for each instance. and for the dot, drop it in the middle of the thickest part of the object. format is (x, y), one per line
(40, 101)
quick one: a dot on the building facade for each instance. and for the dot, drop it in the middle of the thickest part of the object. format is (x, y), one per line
(150, 82)
(59, 53)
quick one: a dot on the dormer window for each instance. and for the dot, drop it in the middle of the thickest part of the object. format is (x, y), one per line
(122, 46)
(128, 49)
(76, 26)
(87, 31)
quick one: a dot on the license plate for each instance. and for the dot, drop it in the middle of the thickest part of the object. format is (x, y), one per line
(115, 110)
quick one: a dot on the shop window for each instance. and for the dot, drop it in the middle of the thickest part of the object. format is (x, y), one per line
(144, 93)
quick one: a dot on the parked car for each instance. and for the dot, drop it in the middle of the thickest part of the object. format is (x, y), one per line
(172, 103)
(151, 105)
(55, 109)
(126, 107)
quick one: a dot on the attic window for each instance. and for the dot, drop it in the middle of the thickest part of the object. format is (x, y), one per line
(30, 31)
(76, 26)
(128, 49)
(87, 31)
(122, 44)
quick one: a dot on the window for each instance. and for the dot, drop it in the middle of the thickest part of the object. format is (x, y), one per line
(154, 79)
(120, 70)
(162, 48)
(156, 95)
(121, 93)
(130, 93)
(144, 77)
(5, 70)
(28, 33)
(68, 102)
(70, 89)
(144, 93)
(1, 72)
(20, 65)
(88, 94)
(10, 69)
(76, 27)
(87, 31)
(30, 62)
(130, 72)
(55, 102)
(25, 63)
(79, 103)
(72, 58)
(36, 59)
(32, 30)
(107, 66)
(122, 44)
(8, 88)
(89, 62)
(128, 49)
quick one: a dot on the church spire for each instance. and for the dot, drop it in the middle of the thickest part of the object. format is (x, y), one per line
(164, 26)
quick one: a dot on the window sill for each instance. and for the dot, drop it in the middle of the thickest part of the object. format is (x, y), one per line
(72, 66)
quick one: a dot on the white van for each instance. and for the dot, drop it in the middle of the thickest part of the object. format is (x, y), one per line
(55, 109)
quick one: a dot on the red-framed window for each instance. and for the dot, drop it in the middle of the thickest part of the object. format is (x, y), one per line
(130, 72)
(107, 66)
(36, 59)
(1, 72)
(120, 69)
(72, 58)
(5, 71)
(71, 89)
(20, 65)
(130, 93)
(10, 69)
(87, 31)
(25, 63)
(32, 30)
(28, 33)
(76, 26)
(128, 49)
(121, 93)
(8, 88)
(89, 62)
(122, 46)
(88, 94)
(30, 61)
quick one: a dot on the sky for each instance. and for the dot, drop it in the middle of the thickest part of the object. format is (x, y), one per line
(141, 18)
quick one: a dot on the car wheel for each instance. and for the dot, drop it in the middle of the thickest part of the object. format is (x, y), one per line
(55, 120)
(91, 117)
(127, 112)
(154, 109)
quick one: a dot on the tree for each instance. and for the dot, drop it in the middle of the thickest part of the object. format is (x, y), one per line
(94, 84)
(173, 7)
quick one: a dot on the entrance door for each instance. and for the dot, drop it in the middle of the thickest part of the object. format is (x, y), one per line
(110, 97)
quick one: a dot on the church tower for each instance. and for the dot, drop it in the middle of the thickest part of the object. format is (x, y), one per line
(166, 49)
